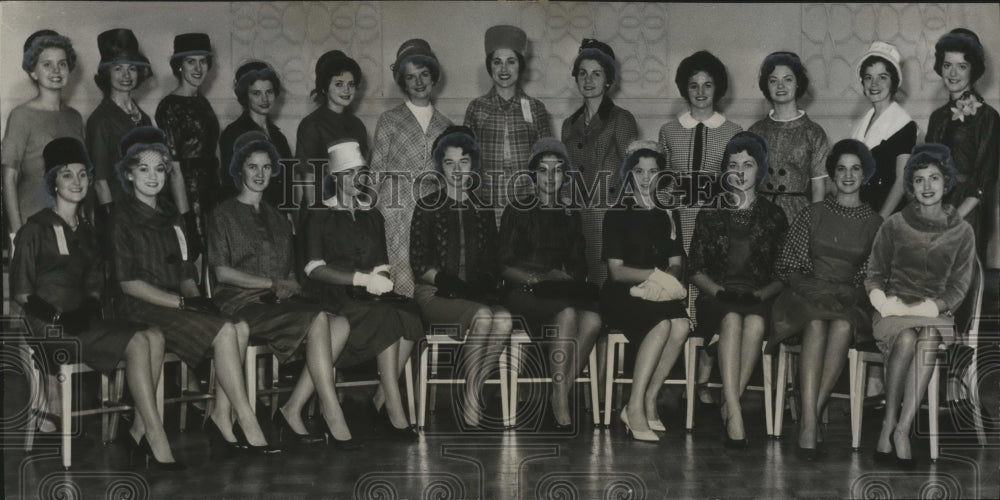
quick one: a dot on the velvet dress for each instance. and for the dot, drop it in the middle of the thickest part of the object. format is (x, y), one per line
(192, 136)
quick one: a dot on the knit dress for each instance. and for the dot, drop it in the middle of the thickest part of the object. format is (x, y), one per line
(796, 151)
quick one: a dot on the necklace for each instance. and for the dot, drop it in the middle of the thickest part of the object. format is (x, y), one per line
(131, 110)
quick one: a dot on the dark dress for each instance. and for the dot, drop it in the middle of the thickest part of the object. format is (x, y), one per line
(540, 240)
(105, 128)
(258, 243)
(192, 135)
(975, 147)
(350, 243)
(319, 129)
(454, 237)
(275, 192)
(736, 249)
(823, 261)
(641, 239)
(62, 267)
(148, 247)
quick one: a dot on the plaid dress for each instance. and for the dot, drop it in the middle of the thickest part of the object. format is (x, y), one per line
(401, 151)
(597, 150)
(506, 130)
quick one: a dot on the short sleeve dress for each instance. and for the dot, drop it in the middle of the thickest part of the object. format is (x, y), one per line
(737, 249)
(828, 245)
(258, 242)
(542, 239)
(193, 135)
(150, 245)
(351, 242)
(796, 151)
(62, 267)
(641, 239)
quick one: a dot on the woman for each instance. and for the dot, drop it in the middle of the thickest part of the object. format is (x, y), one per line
(57, 276)
(337, 80)
(154, 269)
(251, 255)
(542, 254)
(453, 251)
(598, 133)
(404, 137)
(192, 129)
(643, 296)
(505, 120)
(919, 271)
(348, 268)
(732, 257)
(694, 142)
(48, 60)
(797, 145)
(886, 129)
(822, 263)
(969, 127)
(257, 88)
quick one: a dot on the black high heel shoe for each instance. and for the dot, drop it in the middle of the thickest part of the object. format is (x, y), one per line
(217, 441)
(241, 439)
(732, 444)
(284, 427)
(342, 444)
(401, 434)
(153, 463)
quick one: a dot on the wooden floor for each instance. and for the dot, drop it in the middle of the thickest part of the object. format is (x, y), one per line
(533, 462)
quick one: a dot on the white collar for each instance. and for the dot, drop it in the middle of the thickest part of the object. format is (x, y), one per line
(893, 119)
(714, 121)
(333, 202)
(800, 114)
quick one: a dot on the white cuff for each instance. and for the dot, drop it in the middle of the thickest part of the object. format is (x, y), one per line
(383, 267)
(313, 264)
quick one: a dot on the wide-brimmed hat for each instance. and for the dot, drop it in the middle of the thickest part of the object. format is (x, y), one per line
(119, 45)
(505, 36)
(191, 44)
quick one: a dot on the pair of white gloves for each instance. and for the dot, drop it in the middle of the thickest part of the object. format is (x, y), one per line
(659, 287)
(892, 306)
(374, 283)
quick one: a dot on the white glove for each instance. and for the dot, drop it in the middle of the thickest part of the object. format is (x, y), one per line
(361, 279)
(894, 307)
(648, 290)
(673, 288)
(378, 284)
(878, 299)
(926, 309)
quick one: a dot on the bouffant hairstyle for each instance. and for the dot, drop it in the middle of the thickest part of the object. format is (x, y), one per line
(457, 136)
(251, 73)
(752, 144)
(420, 61)
(329, 65)
(46, 39)
(851, 147)
(103, 76)
(702, 61)
(966, 42)
(792, 61)
(926, 155)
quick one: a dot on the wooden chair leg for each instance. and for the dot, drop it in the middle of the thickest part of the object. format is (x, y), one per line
(66, 387)
(276, 383)
(422, 382)
(410, 399)
(594, 398)
(182, 425)
(609, 382)
(506, 378)
(514, 362)
(781, 392)
(932, 410)
(250, 377)
(769, 416)
(858, 368)
(690, 373)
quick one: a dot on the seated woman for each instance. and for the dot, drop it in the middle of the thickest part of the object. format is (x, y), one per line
(732, 257)
(348, 268)
(823, 263)
(453, 251)
(251, 255)
(542, 254)
(152, 264)
(643, 296)
(919, 271)
(57, 275)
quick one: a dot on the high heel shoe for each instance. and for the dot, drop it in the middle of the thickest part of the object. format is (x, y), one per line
(728, 442)
(241, 438)
(285, 428)
(402, 434)
(217, 440)
(645, 436)
(153, 463)
(656, 425)
(342, 444)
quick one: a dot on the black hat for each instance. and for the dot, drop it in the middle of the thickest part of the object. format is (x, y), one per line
(599, 51)
(119, 45)
(64, 151)
(191, 44)
(330, 62)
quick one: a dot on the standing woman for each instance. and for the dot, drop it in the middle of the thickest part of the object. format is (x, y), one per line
(337, 80)
(823, 264)
(192, 129)
(257, 88)
(348, 267)
(154, 269)
(57, 275)
(251, 255)
(733, 251)
(919, 272)
(796, 145)
(886, 129)
(48, 59)
(970, 128)
(453, 251)
(404, 138)
(643, 296)
(505, 120)
(597, 135)
(541, 251)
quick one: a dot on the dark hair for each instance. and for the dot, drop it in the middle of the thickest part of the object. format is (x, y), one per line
(752, 144)
(521, 66)
(792, 61)
(419, 61)
(176, 62)
(457, 136)
(51, 174)
(46, 39)
(889, 67)
(251, 73)
(241, 155)
(702, 60)
(633, 159)
(967, 43)
(606, 62)
(103, 76)
(851, 147)
(928, 154)
(337, 66)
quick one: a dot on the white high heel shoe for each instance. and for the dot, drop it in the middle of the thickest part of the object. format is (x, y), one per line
(646, 436)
